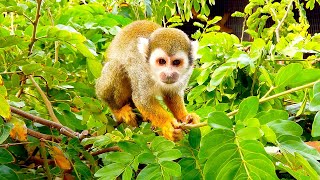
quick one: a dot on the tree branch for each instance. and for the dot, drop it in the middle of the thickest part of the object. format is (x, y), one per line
(62, 129)
(43, 136)
(281, 22)
(45, 99)
(109, 149)
(35, 25)
(262, 100)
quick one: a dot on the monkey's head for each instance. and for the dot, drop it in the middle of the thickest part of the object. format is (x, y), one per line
(170, 54)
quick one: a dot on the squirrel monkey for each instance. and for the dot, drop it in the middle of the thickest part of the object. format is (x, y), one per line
(144, 61)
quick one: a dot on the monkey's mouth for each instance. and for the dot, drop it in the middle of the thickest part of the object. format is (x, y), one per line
(169, 81)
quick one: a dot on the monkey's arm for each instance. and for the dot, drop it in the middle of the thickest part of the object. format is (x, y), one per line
(176, 105)
(151, 109)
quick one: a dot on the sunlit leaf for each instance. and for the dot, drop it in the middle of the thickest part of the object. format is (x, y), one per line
(60, 159)
(287, 74)
(316, 125)
(248, 108)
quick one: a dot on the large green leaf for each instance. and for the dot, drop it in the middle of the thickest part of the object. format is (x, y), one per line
(271, 115)
(4, 131)
(287, 74)
(281, 127)
(189, 169)
(316, 125)
(172, 168)
(7, 173)
(159, 143)
(5, 108)
(219, 120)
(119, 157)
(5, 156)
(110, 171)
(152, 171)
(245, 160)
(315, 103)
(248, 108)
(213, 140)
(305, 76)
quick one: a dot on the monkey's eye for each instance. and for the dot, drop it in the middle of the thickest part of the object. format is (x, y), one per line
(176, 62)
(162, 61)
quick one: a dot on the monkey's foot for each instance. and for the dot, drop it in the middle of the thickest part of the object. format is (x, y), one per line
(191, 118)
(126, 115)
(171, 131)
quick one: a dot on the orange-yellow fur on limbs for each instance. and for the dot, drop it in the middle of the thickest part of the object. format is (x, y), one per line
(144, 61)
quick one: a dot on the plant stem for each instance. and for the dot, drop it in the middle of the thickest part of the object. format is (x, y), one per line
(281, 22)
(45, 160)
(45, 99)
(35, 25)
(262, 100)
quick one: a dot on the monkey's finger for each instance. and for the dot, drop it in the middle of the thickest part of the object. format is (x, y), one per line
(177, 134)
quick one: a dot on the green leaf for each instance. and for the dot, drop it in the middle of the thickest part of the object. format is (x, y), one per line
(315, 103)
(316, 88)
(281, 127)
(130, 147)
(219, 120)
(31, 68)
(146, 158)
(5, 156)
(305, 76)
(4, 131)
(271, 115)
(269, 134)
(94, 67)
(248, 108)
(5, 108)
(169, 155)
(7, 173)
(189, 170)
(152, 171)
(287, 74)
(246, 160)
(110, 171)
(249, 133)
(294, 144)
(219, 74)
(127, 174)
(159, 143)
(83, 169)
(86, 51)
(194, 137)
(213, 140)
(119, 157)
(10, 41)
(204, 75)
(172, 168)
(316, 125)
(196, 92)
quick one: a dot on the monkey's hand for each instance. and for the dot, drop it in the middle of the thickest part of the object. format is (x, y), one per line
(191, 118)
(172, 131)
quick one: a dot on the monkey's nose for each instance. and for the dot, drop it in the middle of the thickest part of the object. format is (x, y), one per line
(169, 78)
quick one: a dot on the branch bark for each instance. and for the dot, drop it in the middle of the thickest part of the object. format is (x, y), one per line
(35, 25)
(109, 149)
(62, 129)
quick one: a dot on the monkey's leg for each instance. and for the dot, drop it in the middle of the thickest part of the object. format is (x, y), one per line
(114, 88)
(176, 105)
(151, 110)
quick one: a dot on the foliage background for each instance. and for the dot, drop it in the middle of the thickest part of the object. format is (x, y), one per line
(259, 101)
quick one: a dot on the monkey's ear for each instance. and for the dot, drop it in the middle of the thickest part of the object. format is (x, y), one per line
(194, 49)
(143, 46)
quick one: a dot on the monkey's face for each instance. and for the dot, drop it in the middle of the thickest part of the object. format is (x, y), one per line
(168, 68)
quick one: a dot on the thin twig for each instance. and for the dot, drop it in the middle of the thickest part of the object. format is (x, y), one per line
(43, 136)
(35, 25)
(7, 145)
(109, 149)
(282, 20)
(14, 72)
(262, 100)
(45, 160)
(45, 99)
(62, 129)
